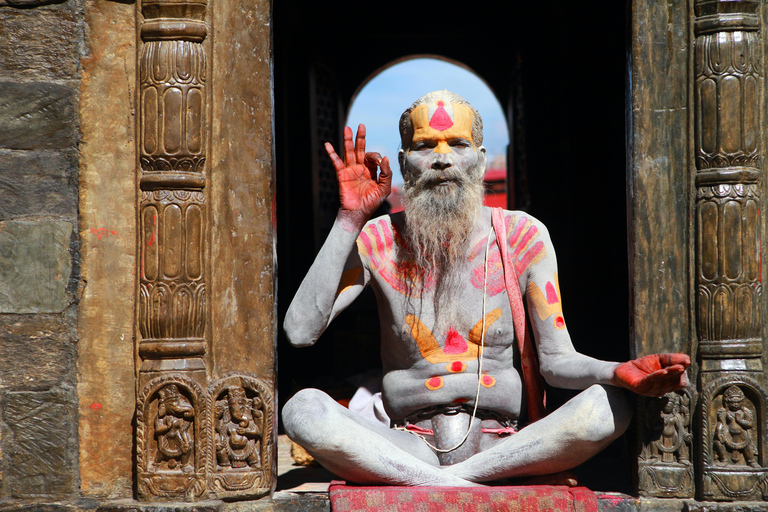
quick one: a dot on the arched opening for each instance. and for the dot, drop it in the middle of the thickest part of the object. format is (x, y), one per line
(381, 99)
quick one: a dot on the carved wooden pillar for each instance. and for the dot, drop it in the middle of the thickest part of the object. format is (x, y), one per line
(172, 209)
(727, 105)
(173, 414)
(196, 437)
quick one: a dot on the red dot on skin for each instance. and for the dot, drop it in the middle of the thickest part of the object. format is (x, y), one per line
(488, 381)
(434, 383)
(559, 322)
(95, 406)
(456, 366)
(460, 401)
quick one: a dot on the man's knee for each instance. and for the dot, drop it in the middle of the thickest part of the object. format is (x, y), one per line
(605, 413)
(305, 414)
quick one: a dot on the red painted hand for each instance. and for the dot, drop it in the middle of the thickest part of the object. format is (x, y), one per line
(653, 375)
(359, 188)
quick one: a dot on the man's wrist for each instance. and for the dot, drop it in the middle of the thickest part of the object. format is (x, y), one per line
(352, 220)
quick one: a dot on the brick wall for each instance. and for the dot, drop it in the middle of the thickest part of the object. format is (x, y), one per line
(40, 54)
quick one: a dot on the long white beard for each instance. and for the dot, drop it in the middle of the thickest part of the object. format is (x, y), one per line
(440, 219)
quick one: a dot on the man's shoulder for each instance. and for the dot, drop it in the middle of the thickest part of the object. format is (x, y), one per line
(379, 237)
(388, 221)
(523, 220)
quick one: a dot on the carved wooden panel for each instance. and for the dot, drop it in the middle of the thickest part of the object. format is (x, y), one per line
(733, 428)
(243, 434)
(173, 215)
(172, 297)
(172, 451)
(665, 459)
(728, 238)
(173, 106)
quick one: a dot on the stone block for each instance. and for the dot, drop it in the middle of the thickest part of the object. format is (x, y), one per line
(37, 115)
(40, 443)
(37, 351)
(35, 266)
(38, 183)
(41, 43)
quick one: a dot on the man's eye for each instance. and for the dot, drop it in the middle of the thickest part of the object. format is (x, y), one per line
(460, 143)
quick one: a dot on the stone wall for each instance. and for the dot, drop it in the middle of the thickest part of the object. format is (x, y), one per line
(42, 45)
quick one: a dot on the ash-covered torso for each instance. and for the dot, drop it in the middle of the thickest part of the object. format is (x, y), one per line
(431, 330)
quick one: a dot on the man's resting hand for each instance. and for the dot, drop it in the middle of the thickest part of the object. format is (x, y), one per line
(653, 375)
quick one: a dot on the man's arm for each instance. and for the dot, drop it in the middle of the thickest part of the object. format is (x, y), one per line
(561, 365)
(338, 276)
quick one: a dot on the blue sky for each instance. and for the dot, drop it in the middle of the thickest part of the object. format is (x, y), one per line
(381, 102)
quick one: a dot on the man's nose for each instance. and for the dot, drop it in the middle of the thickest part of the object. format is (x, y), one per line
(441, 162)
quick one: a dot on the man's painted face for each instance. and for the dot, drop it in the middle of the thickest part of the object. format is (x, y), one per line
(442, 141)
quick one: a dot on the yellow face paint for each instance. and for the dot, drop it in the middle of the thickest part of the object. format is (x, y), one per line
(441, 131)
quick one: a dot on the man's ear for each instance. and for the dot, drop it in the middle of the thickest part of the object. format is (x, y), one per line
(401, 161)
(481, 156)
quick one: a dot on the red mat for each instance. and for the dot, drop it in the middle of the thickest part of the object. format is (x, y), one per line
(538, 498)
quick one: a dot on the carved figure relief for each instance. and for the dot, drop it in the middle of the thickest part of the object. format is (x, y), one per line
(242, 432)
(733, 443)
(173, 430)
(672, 431)
(665, 455)
(171, 424)
(733, 430)
(238, 421)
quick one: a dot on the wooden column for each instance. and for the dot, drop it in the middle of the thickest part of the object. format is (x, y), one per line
(727, 108)
(658, 195)
(197, 436)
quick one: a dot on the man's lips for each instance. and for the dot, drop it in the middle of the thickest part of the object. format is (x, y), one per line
(442, 181)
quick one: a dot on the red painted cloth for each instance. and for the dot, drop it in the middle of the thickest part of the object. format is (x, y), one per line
(536, 498)
(534, 384)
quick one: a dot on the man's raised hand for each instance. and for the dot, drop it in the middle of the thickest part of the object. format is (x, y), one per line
(653, 375)
(359, 187)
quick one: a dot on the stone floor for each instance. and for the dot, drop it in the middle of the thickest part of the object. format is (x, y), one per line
(305, 489)
(299, 479)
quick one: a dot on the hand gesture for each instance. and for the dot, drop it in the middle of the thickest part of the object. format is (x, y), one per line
(359, 188)
(653, 375)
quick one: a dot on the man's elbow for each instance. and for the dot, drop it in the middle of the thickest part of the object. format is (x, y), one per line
(549, 375)
(296, 333)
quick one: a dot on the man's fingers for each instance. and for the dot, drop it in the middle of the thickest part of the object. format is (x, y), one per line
(335, 160)
(372, 161)
(349, 147)
(676, 369)
(360, 144)
(675, 359)
(385, 177)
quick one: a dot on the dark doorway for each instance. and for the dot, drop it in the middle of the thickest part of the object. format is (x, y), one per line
(560, 68)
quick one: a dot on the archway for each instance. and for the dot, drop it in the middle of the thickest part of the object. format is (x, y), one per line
(379, 101)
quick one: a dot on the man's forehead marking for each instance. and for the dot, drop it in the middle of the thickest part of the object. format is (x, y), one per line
(432, 120)
(440, 120)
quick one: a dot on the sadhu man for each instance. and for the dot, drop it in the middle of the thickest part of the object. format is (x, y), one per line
(450, 276)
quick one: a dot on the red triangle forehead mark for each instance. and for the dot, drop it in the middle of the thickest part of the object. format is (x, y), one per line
(440, 121)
